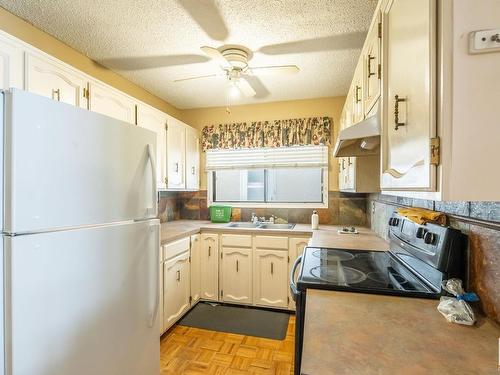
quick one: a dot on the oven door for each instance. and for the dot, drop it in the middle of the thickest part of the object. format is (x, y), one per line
(300, 308)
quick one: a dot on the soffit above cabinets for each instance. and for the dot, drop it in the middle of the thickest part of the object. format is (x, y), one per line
(322, 37)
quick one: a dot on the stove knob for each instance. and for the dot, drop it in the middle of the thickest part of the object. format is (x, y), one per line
(421, 232)
(390, 221)
(395, 222)
(429, 238)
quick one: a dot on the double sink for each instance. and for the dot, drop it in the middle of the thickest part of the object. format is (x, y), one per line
(261, 225)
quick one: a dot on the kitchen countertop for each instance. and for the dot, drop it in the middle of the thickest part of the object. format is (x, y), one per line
(325, 236)
(356, 333)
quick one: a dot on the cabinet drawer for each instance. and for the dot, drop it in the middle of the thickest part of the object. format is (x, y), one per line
(236, 240)
(271, 242)
(175, 248)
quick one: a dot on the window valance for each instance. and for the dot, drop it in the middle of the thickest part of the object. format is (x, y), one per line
(275, 133)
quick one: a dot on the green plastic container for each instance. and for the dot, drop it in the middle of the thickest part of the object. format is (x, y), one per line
(220, 214)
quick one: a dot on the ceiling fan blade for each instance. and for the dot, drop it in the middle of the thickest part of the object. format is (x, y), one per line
(337, 42)
(215, 54)
(274, 70)
(151, 62)
(258, 86)
(196, 77)
(206, 14)
(245, 87)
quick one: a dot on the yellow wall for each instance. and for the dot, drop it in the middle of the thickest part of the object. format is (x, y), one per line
(47, 43)
(330, 107)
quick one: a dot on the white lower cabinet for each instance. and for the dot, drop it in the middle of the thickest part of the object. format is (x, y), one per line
(176, 289)
(271, 278)
(236, 275)
(209, 275)
(195, 268)
(160, 292)
(296, 249)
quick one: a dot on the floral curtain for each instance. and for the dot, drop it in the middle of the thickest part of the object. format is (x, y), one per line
(276, 133)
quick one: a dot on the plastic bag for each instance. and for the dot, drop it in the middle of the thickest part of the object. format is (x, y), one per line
(456, 309)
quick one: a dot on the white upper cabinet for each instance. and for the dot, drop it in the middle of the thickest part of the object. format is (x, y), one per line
(110, 102)
(176, 154)
(372, 66)
(11, 64)
(156, 121)
(192, 159)
(357, 94)
(409, 121)
(51, 79)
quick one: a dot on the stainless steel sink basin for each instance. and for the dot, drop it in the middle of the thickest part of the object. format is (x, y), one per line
(276, 226)
(260, 225)
(243, 225)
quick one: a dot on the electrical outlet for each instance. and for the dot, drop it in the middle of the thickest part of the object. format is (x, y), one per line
(484, 41)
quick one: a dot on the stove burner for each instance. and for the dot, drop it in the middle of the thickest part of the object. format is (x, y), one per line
(335, 255)
(331, 274)
(378, 277)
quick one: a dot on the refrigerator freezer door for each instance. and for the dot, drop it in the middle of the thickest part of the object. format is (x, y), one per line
(83, 301)
(68, 167)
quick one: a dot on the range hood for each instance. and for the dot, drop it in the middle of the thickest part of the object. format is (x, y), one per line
(361, 139)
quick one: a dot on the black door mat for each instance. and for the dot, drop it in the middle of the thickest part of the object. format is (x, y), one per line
(240, 320)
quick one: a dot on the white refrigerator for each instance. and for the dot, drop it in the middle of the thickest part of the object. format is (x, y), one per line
(80, 241)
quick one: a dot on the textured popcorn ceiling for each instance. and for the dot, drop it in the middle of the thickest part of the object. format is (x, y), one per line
(128, 33)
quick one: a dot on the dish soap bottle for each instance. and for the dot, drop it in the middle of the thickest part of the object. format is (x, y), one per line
(314, 220)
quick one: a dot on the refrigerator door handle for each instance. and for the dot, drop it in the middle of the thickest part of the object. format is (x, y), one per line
(156, 282)
(151, 210)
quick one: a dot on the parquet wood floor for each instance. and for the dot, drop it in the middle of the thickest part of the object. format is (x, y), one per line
(190, 351)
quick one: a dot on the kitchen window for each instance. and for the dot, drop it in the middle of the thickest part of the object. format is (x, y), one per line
(270, 177)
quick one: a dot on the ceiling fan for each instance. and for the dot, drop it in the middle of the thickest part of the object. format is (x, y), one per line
(233, 60)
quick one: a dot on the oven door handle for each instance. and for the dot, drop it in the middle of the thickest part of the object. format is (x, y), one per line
(293, 285)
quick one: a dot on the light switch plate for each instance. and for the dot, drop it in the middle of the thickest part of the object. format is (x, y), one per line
(484, 41)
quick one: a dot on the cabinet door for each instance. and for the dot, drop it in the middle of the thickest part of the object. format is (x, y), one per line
(53, 80)
(271, 278)
(357, 94)
(372, 68)
(111, 102)
(160, 302)
(236, 275)
(192, 159)
(176, 150)
(297, 246)
(156, 121)
(195, 268)
(409, 98)
(11, 64)
(176, 289)
(209, 267)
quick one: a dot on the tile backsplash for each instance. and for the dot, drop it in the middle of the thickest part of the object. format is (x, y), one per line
(348, 209)
(480, 221)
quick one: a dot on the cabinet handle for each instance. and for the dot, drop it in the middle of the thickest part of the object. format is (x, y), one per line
(237, 266)
(176, 167)
(166, 180)
(56, 95)
(209, 250)
(397, 100)
(343, 165)
(178, 275)
(192, 170)
(358, 99)
(370, 73)
(349, 162)
(272, 268)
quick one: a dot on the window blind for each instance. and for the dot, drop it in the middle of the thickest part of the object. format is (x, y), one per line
(280, 157)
